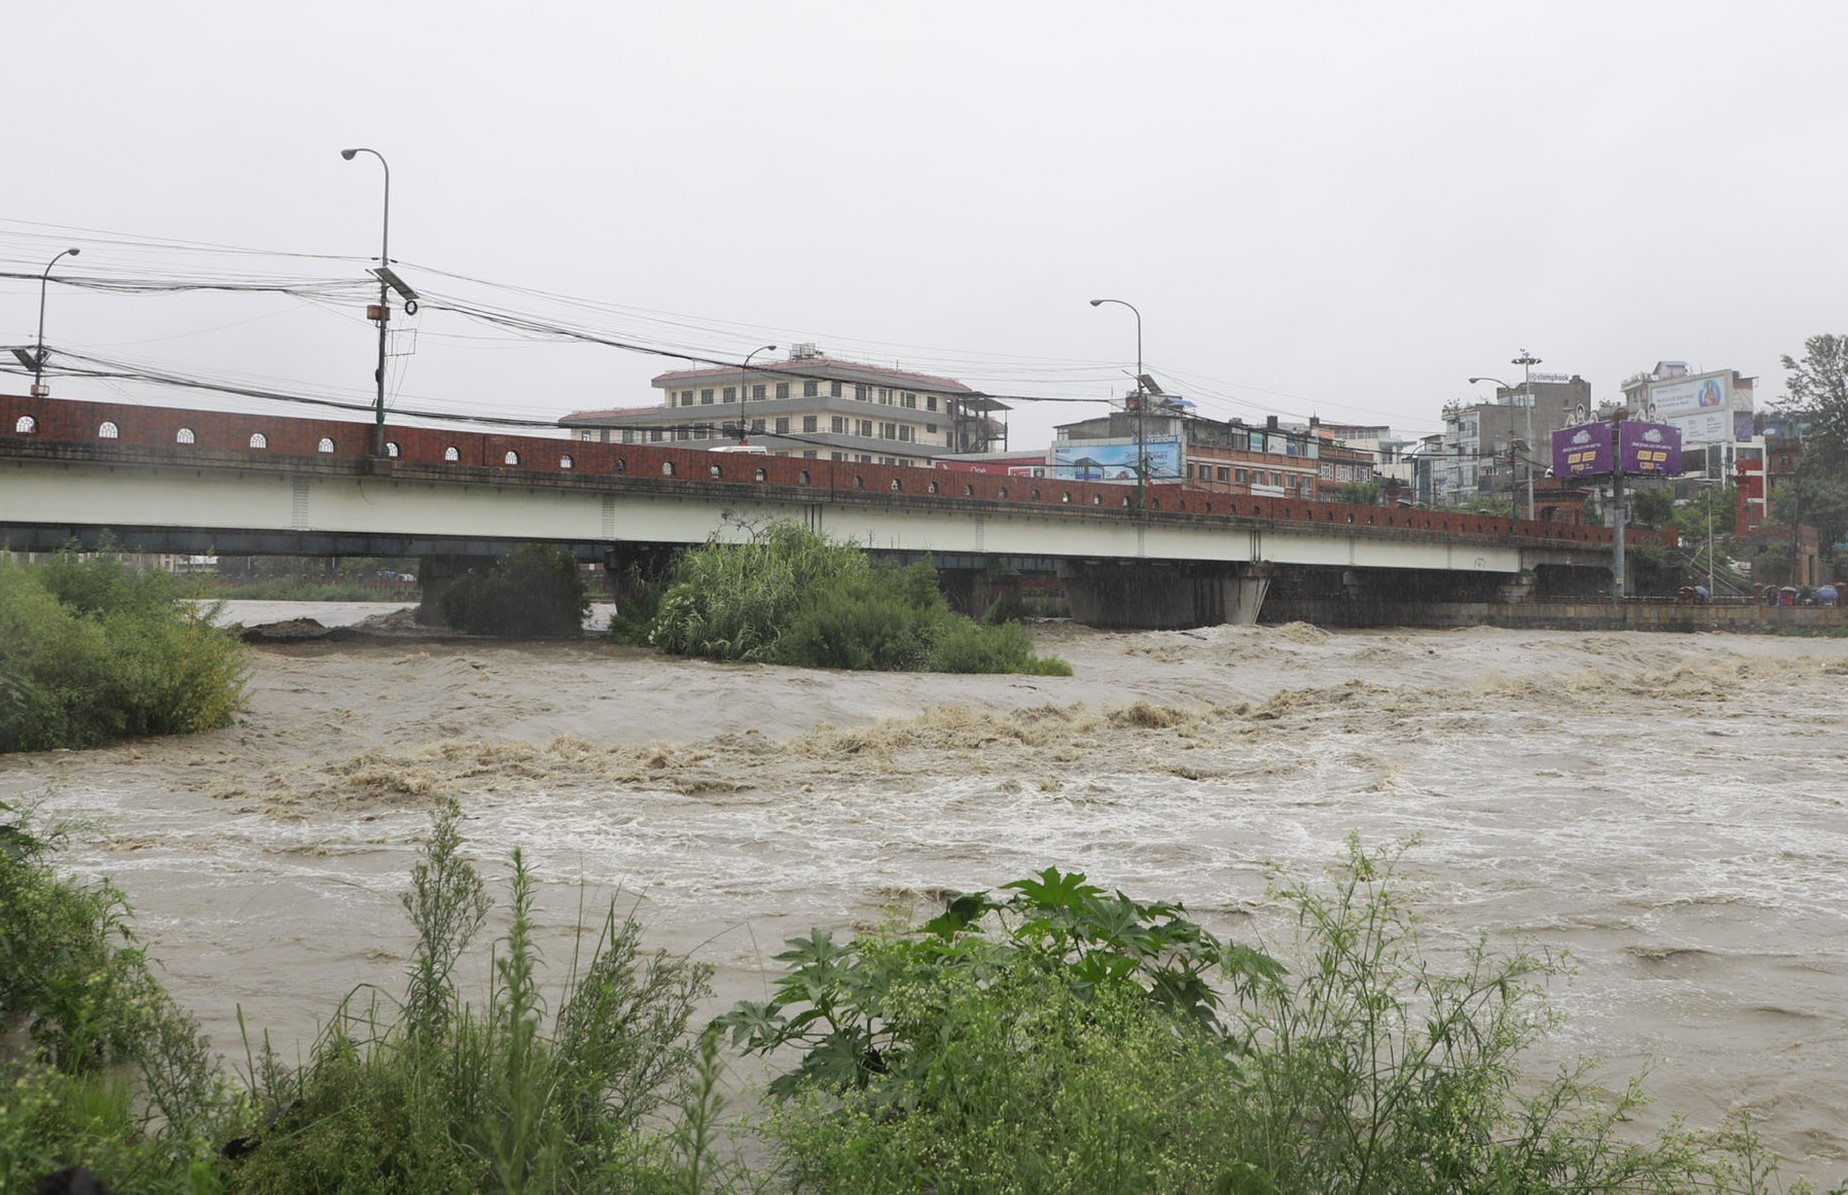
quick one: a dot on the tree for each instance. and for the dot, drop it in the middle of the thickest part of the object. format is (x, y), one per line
(1818, 386)
(1653, 506)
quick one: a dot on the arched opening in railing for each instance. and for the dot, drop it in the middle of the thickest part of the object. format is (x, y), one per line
(392, 451)
(802, 478)
(452, 454)
(185, 436)
(108, 431)
(511, 458)
(257, 439)
(326, 444)
(565, 462)
(25, 425)
(667, 468)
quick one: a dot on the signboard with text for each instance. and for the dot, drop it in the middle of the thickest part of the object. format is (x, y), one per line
(1646, 448)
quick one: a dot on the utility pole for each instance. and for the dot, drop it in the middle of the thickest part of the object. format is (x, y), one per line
(1619, 516)
(1527, 361)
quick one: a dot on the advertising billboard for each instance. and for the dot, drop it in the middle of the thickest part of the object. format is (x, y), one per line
(1690, 396)
(1095, 460)
(1582, 451)
(1648, 448)
(1709, 408)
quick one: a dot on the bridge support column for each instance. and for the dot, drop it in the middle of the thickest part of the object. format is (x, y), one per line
(433, 573)
(1163, 595)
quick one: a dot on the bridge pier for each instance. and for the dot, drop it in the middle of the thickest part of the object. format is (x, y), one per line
(1163, 594)
(433, 573)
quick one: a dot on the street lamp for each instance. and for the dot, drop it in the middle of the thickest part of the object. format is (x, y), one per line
(1528, 443)
(744, 381)
(1142, 452)
(38, 353)
(384, 311)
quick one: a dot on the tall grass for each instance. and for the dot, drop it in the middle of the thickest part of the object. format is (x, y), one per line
(533, 590)
(92, 651)
(790, 596)
(436, 1094)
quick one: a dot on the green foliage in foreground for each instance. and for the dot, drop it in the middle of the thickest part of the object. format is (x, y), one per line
(92, 651)
(435, 1095)
(114, 1075)
(532, 590)
(793, 597)
(1047, 1038)
(1064, 1041)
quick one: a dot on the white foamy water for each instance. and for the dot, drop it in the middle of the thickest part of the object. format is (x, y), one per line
(1670, 809)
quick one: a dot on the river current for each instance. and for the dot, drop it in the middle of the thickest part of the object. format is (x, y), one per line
(1672, 810)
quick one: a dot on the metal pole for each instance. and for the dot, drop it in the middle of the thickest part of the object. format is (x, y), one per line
(378, 440)
(1142, 402)
(744, 425)
(38, 353)
(1526, 360)
(1617, 562)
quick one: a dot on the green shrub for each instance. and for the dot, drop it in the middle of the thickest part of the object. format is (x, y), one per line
(90, 651)
(438, 1096)
(1068, 1041)
(116, 1077)
(533, 590)
(792, 597)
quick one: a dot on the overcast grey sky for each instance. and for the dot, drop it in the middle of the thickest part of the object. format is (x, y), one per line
(1341, 209)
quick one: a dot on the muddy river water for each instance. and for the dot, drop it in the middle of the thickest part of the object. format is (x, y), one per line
(1671, 809)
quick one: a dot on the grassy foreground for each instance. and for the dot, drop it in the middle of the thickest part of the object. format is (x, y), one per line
(1045, 1037)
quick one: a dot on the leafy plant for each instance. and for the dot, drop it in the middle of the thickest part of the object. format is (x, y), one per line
(533, 590)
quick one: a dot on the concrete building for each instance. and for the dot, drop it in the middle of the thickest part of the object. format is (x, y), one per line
(1185, 449)
(1481, 438)
(809, 405)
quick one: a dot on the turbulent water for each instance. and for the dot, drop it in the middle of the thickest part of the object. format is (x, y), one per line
(1668, 808)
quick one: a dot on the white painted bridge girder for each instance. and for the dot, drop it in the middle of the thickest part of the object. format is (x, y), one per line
(128, 496)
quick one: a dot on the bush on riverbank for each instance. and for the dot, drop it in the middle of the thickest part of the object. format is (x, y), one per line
(532, 590)
(113, 1075)
(793, 597)
(92, 651)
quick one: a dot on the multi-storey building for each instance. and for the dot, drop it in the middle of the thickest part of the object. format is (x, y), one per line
(1713, 412)
(809, 405)
(1183, 448)
(1491, 448)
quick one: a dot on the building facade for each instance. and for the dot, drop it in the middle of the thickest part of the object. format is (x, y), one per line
(809, 405)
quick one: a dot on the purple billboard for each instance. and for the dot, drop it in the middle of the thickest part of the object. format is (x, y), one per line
(1585, 450)
(1650, 448)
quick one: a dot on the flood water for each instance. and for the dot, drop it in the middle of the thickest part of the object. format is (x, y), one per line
(1671, 809)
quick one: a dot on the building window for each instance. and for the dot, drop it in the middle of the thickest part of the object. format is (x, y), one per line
(257, 439)
(654, 435)
(836, 423)
(811, 389)
(930, 402)
(731, 394)
(930, 429)
(628, 435)
(904, 432)
(757, 426)
(834, 389)
(782, 425)
(1222, 474)
(888, 431)
(911, 400)
(1238, 475)
(686, 398)
(809, 454)
(757, 392)
(863, 427)
(452, 454)
(885, 397)
(782, 390)
(705, 397)
(326, 445)
(859, 393)
(811, 423)
(837, 456)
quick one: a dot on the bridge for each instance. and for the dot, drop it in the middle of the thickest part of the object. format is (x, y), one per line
(167, 479)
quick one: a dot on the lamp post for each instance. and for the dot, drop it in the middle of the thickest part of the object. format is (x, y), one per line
(378, 443)
(38, 352)
(1142, 451)
(1527, 361)
(1514, 484)
(744, 380)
